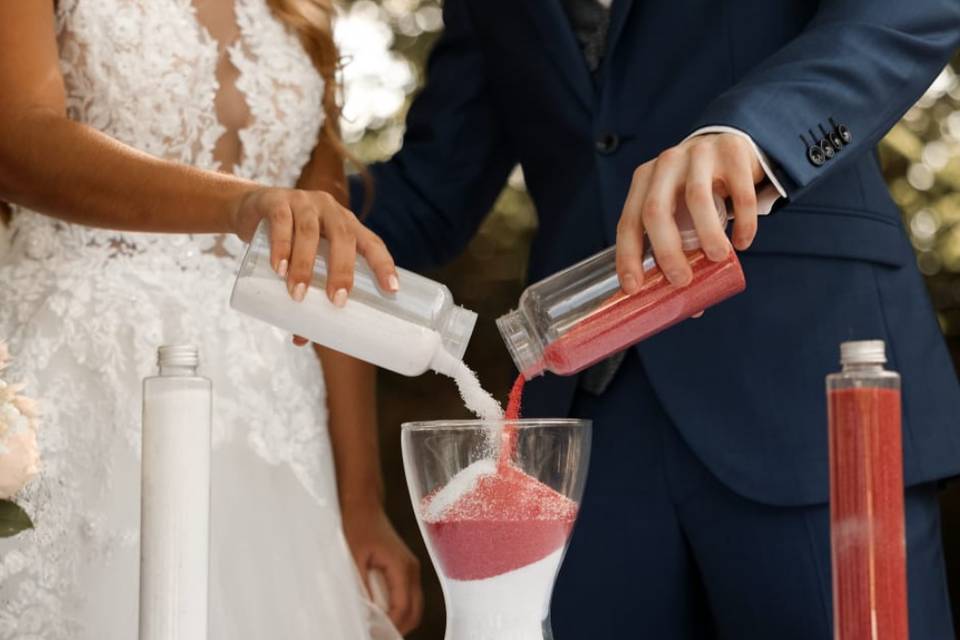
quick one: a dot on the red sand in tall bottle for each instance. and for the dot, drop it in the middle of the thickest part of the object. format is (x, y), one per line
(625, 320)
(866, 515)
(505, 521)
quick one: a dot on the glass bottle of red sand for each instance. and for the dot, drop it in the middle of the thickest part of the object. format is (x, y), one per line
(580, 316)
(866, 496)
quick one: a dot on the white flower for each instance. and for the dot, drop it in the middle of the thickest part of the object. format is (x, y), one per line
(11, 420)
(19, 453)
(19, 461)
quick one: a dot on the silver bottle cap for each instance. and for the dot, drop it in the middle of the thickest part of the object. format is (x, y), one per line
(863, 352)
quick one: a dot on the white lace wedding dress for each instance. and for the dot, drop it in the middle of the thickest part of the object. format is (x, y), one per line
(221, 85)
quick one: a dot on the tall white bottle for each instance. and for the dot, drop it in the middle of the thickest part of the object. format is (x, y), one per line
(175, 500)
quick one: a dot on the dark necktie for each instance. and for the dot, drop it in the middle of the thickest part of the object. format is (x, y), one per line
(590, 21)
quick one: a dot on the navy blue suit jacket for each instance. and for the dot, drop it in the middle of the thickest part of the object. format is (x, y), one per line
(508, 84)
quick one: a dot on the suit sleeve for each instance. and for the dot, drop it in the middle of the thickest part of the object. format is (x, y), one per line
(431, 197)
(859, 63)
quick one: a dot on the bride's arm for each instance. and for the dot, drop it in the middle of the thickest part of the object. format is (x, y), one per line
(352, 406)
(374, 543)
(52, 164)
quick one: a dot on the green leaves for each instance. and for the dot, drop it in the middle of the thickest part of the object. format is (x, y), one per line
(13, 519)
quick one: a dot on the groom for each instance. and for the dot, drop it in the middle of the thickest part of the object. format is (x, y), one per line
(706, 509)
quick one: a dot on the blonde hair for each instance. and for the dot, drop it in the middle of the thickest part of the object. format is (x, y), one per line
(312, 20)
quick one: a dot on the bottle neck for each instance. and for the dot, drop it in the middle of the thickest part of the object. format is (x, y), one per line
(862, 367)
(456, 328)
(178, 360)
(171, 370)
(523, 343)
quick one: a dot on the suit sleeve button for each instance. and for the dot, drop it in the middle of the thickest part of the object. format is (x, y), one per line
(816, 156)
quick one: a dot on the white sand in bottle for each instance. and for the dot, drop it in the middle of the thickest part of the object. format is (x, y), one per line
(175, 505)
(360, 330)
(367, 333)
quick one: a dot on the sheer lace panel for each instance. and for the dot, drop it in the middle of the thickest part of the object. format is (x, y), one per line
(219, 19)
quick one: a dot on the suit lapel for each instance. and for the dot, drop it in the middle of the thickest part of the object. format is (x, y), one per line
(619, 12)
(562, 46)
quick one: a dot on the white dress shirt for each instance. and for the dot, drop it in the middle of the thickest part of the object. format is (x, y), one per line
(769, 193)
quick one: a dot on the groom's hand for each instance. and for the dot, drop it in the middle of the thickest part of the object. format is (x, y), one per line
(722, 164)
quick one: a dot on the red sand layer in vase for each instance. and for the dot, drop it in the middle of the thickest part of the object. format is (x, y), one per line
(866, 515)
(506, 521)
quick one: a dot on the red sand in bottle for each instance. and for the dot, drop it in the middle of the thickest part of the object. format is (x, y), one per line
(508, 520)
(866, 515)
(625, 320)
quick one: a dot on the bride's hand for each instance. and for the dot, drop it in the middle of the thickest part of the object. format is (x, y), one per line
(298, 219)
(375, 545)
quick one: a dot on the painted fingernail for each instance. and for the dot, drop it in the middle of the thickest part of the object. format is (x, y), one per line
(394, 282)
(282, 268)
(630, 285)
(340, 298)
(299, 292)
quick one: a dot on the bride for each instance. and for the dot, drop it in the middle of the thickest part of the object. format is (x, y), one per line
(138, 140)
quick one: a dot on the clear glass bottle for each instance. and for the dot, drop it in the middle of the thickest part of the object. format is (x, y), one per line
(410, 331)
(868, 545)
(175, 498)
(580, 316)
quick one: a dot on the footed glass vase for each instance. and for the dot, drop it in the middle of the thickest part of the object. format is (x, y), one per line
(496, 507)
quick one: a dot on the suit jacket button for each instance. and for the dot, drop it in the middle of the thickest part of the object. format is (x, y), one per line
(816, 156)
(607, 143)
(844, 133)
(836, 140)
(827, 148)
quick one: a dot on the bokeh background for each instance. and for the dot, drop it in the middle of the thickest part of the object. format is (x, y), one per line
(385, 45)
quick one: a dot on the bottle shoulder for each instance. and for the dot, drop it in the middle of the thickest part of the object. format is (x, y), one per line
(177, 382)
(880, 378)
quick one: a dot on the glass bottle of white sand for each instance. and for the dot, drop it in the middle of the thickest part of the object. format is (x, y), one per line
(409, 332)
(175, 499)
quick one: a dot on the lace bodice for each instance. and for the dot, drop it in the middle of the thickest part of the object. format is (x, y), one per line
(151, 74)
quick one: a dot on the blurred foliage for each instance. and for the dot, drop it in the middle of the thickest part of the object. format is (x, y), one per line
(921, 161)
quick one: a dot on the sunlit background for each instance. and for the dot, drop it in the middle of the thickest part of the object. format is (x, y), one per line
(385, 45)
